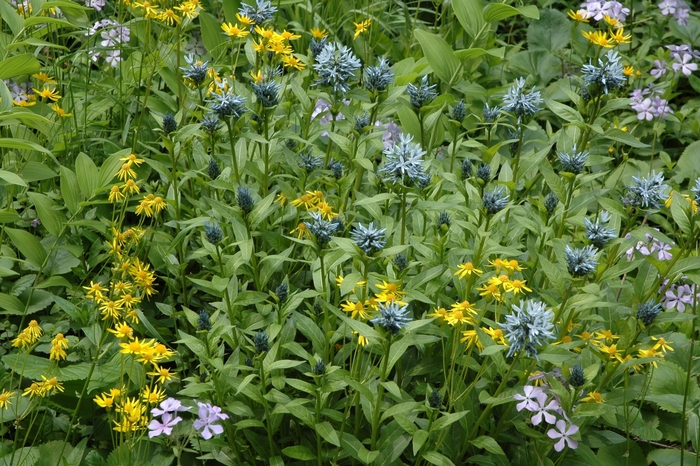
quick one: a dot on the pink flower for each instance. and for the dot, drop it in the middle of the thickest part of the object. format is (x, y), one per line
(208, 415)
(564, 434)
(166, 427)
(543, 411)
(534, 397)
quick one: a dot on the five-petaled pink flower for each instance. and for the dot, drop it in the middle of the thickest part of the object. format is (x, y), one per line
(564, 434)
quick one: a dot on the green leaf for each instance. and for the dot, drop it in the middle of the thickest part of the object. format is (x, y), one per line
(439, 54)
(212, 34)
(488, 444)
(447, 419)
(11, 17)
(28, 245)
(563, 111)
(436, 458)
(354, 448)
(87, 174)
(11, 305)
(419, 438)
(45, 208)
(624, 137)
(73, 12)
(35, 171)
(299, 452)
(19, 65)
(69, 189)
(12, 178)
(551, 32)
(688, 165)
(325, 430)
(5, 95)
(21, 144)
(670, 457)
(470, 15)
(498, 11)
(646, 278)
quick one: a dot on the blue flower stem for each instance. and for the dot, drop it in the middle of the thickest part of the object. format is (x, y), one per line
(330, 141)
(234, 161)
(516, 165)
(567, 205)
(380, 392)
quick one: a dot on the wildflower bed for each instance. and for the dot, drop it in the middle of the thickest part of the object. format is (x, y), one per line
(349, 233)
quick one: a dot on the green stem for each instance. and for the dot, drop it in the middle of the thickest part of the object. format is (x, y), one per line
(380, 393)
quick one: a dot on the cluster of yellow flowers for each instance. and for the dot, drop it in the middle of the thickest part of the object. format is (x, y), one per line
(47, 93)
(171, 16)
(615, 35)
(133, 415)
(693, 203)
(496, 286)
(127, 174)
(278, 44)
(312, 201)
(28, 336)
(47, 387)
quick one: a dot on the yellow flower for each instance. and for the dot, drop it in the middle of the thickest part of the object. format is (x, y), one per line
(158, 204)
(290, 61)
(163, 373)
(56, 353)
(439, 313)
(286, 35)
(44, 78)
(495, 334)
(593, 396)
(257, 77)
(501, 281)
(326, 210)
(611, 351)
(126, 172)
(512, 265)
(60, 340)
(154, 396)
(457, 316)
(627, 70)
(34, 329)
(134, 346)
(131, 187)
(169, 17)
(319, 34)
(94, 291)
(188, 10)
(580, 16)
(23, 340)
(132, 159)
(281, 199)
(35, 389)
(149, 10)
(467, 269)
(465, 307)
(279, 48)
(391, 289)
(104, 400)
(259, 47)
(122, 330)
(361, 340)
(47, 93)
(662, 344)
(489, 291)
(498, 264)
(361, 27)
(516, 286)
(302, 231)
(5, 398)
(59, 111)
(650, 353)
(355, 309)
(264, 33)
(162, 351)
(234, 31)
(612, 21)
(144, 208)
(606, 335)
(619, 36)
(115, 194)
(599, 38)
(244, 19)
(308, 200)
(470, 337)
(110, 310)
(51, 385)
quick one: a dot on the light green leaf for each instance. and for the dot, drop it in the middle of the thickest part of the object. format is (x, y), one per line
(45, 208)
(69, 189)
(439, 54)
(470, 15)
(87, 174)
(625, 138)
(498, 11)
(325, 430)
(12, 178)
(11, 17)
(299, 452)
(436, 458)
(19, 65)
(21, 144)
(28, 245)
(11, 305)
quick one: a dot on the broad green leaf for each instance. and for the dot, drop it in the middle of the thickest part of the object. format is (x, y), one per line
(212, 34)
(624, 137)
(10, 16)
(439, 54)
(688, 165)
(551, 32)
(87, 173)
(563, 111)
(299, 452)
(447, 419)
(498, 11)
(325, 430)
(488, 444)
(69, 189)
(50, 218)
(19, 65)
(12, 178)
(438, 459)
(354, 448)
(5, 95)
(419, 438)
(11, 305)
(470, 15)
(73, 12)
(671, 457)
(646, 278)
(20, 144)
(35, 171)
(28, 245)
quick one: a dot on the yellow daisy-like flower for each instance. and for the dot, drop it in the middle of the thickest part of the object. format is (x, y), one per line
(132, 159)
(279, 48)
(133, 347)
(498, 264)
(34, 329)
(130, 187)
(60, 340)
(286, 35)
(243, 19)
(662, 344)
(516, 286)
(490, 291)
(613, 22)
(627, 70)
(611, 351)
(326, 210)
(104, 400)
(496, 335)
(302, 231)
(158, 204)
(59, 111)
(169, 17)
(440, 314)
(458, 316)
(57, 353)
(35, 389)
(593, 397)
(121, 330)
(470, 337)
(355, 309)
(153, 396)
(290, 61)
(144, 208)
(257, 77)
(162, 351)
(362, 26)
(619, 36)
(281, 199)
(650, 353)
(233, 31)
(391, 289)
(259, 47)
(467, 269)
(115, 194)
(599, 38)
(95, 290)
(264, 33)
(126, 172)
(51, 385)
(319, 34)
(500, 280)
(5, 398)
(149, 9)
(23, 340)
(361, 340)
(465, 307)
(162, 373)
(606, 335)
(44, 78)
(580, 16)
(48, 94)
(512, 265)
(188, 10)
(110, 309)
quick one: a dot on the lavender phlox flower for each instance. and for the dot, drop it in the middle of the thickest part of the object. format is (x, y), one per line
(96, 4)
(563, 433)
(543, 411)
(335, 66)
(164, 426)
(527, 327)
(404, 162)
(170, 405)
(208, 415)
(521, 103)
(113, 57)
(598, 10)
(392, 317)
(659, 68)
(679, 297)
(660, 107)
(679, 9)
(533, 397)
(641, 246)
(684, 64)
(638, 95)
(662, 250)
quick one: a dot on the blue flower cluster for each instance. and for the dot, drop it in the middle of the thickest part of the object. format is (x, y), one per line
(404, 163)
(521, 103)
(369, 238)
(392, 317)
(335, 66)
(529, 326)
(606, 77)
